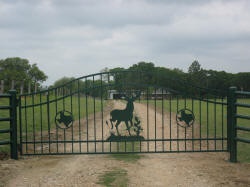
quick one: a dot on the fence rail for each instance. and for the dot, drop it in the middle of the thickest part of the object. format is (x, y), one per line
(10, 106)
(234, 117)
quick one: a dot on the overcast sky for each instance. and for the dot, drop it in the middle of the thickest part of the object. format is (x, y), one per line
(81, 37)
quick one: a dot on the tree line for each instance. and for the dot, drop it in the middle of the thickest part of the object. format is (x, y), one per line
(146, 73)
(17, 73)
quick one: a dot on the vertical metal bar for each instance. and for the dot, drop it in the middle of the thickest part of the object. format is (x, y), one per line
(110, 146)
(177, 109)
(170, 122)
(193, 126)
(41, 122)
(102, 111)
(56, 109)
(147, 121)
(222, 123)
(20, 125)
(13, 124)
(133, 146)
(117, 146)
(229, 120)
(94, 115)
(200, 116)
(185, 106)
(79, 116)
(33, 125)
(207, 124)
(86, 108)
(125, 146)
(155, 118)
(48, 118)
(64, 93)
(64, 142)
(26, 124)
(162, 119)
(215, 124)
(71, 110)
(232, 123)
(64, 133)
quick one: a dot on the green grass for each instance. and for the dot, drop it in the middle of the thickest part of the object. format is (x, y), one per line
(130, 147)
(114, 178)
(39, 115)
(243, 148)
(4, 125)
(35, 117)
(211, 117)
(118, 176)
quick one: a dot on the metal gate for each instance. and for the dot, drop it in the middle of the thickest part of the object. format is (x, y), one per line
(8, 123)
(122, 112)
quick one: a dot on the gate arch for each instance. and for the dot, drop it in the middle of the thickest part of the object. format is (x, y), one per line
(76, 118)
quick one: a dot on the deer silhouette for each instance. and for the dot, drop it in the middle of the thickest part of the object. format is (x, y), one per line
(125, 115)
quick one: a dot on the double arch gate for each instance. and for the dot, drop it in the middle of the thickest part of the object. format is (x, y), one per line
(126, 112)
(121, 112)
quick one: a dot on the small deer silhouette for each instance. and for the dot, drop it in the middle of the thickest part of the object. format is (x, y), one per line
(125, 115)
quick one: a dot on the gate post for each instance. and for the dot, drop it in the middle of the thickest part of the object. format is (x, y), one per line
(231, 124)
(13, 124)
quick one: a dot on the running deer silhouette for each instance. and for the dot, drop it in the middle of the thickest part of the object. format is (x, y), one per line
(125, 115)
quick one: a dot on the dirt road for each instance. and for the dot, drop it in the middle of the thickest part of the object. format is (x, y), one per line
(193, 169)
(166, 169)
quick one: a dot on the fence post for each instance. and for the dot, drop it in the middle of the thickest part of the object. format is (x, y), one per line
(231, 124)
(13, 124)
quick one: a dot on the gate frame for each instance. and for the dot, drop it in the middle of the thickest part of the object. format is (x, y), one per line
(233, 115)
(232, 127)
(12, 119)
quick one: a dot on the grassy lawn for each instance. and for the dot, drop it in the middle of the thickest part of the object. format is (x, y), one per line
(211, 117)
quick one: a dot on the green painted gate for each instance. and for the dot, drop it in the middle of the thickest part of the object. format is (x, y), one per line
(123, 112)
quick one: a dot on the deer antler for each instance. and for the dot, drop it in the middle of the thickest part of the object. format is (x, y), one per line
(125, 97)
(138, 94)
(133, 98)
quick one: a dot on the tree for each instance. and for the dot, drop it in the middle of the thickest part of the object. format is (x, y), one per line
(36, 75)
(63, 81)
(196, 75)
(15, 72)
(146, 70)
(105, 76)
(194, 67)
(242, 81)
(62, 85)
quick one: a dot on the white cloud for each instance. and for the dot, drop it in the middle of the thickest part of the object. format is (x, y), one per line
(82, 37)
